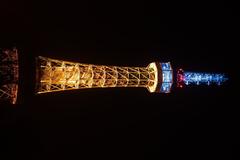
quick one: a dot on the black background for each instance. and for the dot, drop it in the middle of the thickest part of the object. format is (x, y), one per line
(122, 123)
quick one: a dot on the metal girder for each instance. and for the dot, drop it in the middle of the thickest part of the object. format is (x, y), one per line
(9, 75)
(57, 75)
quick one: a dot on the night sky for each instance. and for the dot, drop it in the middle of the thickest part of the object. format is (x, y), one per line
(122, 123)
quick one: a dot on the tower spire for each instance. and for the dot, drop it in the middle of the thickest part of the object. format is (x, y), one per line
(199, 78)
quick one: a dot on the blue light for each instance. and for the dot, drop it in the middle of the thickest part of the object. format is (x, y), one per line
(166, 66)
(203, 78)
(167, 77)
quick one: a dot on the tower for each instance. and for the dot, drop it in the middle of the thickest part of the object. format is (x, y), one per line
(9, 75)
(58, 75)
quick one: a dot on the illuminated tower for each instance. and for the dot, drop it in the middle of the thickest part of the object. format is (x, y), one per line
(8, 75)
(57, 75)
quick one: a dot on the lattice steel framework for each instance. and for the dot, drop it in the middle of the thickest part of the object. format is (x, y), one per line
(9, 75)
(57, 75)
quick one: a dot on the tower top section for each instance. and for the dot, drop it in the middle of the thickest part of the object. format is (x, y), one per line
(199, 78)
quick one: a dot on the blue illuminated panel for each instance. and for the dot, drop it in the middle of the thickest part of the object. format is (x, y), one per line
(167, 77)
(203, 78)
